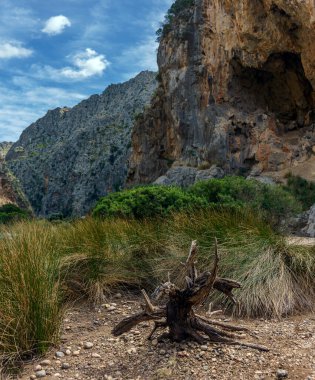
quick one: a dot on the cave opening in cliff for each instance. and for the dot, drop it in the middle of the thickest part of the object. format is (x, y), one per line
(279, 87)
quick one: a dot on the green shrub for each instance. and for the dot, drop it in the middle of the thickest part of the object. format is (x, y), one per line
(12, 213)
(175, 10)
(146, 202)
(239, 192)
(301, 189)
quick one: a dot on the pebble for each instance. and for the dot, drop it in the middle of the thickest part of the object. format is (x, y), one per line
(59, 354)
(65, 366)
(76, 353)
(95, 355)
(33, 377)
(68, 352)
(282, 373)
(155, 342)
(45, 363)
(40, 374)
(132, 350)
(88, 345)
(57, 375)
(204, 348)
(38, 368)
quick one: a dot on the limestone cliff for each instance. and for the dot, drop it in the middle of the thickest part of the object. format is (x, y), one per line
(68, 159)
(10, 189)
(236, 89)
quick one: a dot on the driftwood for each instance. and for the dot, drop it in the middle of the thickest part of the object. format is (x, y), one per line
(178, 315)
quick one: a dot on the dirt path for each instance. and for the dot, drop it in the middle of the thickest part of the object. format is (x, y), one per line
(291, 342)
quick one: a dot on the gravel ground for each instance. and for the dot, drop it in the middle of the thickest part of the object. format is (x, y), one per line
(89, 351)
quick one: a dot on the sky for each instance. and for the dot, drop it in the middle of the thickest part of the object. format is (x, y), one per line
(57, 53)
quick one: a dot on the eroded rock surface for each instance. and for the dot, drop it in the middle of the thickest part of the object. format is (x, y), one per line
(236, 89)
(309, 229)
(68, 159)
(10, 189)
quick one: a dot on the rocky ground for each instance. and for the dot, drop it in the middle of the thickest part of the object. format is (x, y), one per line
(89, 351)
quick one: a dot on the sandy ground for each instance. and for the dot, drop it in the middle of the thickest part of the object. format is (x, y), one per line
(132, 356)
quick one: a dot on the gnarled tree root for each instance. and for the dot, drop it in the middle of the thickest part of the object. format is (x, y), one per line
(178, 315)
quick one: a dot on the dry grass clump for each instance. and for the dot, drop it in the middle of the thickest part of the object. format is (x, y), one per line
(30, 305)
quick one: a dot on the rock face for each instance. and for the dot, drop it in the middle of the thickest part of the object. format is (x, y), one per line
(236, 89)
(69, 158)
(10, 189)
(309, 229)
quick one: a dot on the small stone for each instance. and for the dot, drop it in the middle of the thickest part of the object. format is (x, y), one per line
(33, 377)
(88, 345)
(162, 352)
(40, 374)
(65, 366)
(76, 353)
(204, 348)
(119, 295)
(95, 355)
(155, 342)
(68, 352)
(132, 350)
(59, 354)
(282, 374)
(45, 363)
(57, 375)
(111, 308)
(38, 368)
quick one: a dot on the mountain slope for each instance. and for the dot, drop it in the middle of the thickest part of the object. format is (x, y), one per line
(69, 158)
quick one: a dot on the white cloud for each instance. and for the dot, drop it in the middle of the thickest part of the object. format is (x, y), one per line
(13, 50)
(84, 65)
(87, 64)
(56, 25)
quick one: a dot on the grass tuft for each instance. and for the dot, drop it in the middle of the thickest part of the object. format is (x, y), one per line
(30, 307)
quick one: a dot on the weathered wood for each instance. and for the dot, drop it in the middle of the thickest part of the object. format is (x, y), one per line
(178, 314)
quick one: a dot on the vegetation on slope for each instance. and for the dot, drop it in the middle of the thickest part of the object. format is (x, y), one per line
(302, 190)
(11, 213)
(176, 10)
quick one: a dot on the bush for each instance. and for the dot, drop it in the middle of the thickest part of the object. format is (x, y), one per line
(146, 202)
(175, 10)
(11, 213)
(238, 192)
(301, 189)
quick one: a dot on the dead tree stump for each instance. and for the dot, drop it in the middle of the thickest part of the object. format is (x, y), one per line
(178, 315)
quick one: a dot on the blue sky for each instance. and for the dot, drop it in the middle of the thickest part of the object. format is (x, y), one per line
(56, 53)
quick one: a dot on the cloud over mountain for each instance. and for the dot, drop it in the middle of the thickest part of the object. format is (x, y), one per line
(56, 25)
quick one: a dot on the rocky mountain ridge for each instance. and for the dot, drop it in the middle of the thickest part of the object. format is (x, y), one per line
(236, 89)
(71, 157)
